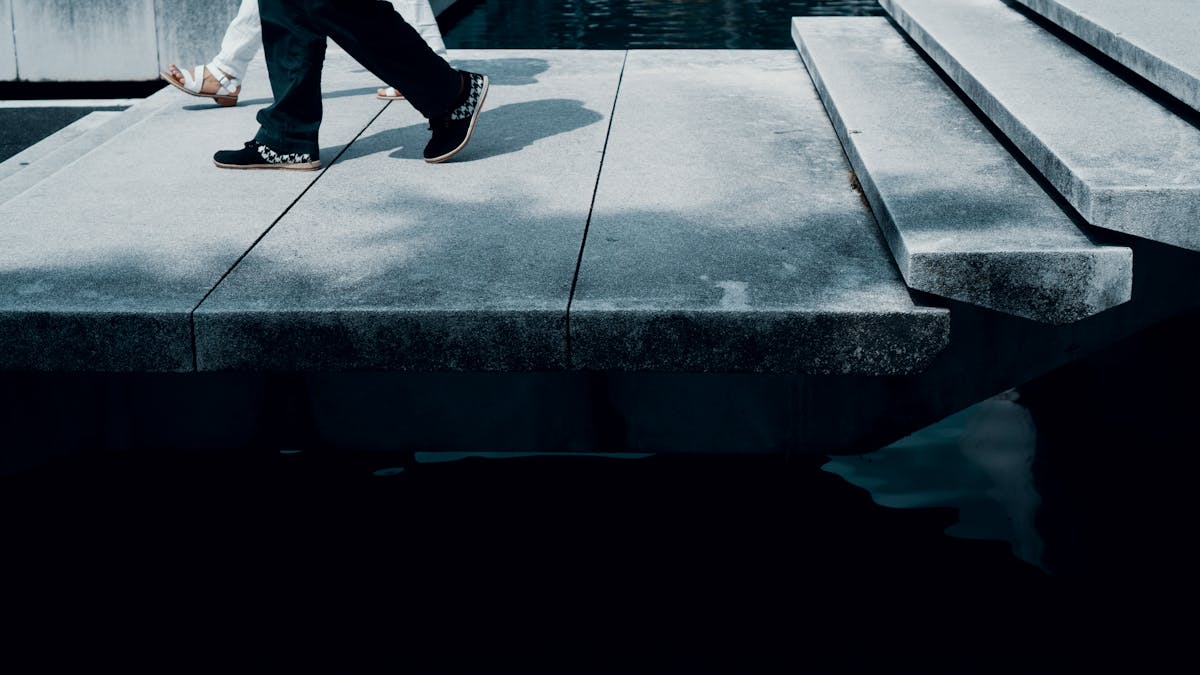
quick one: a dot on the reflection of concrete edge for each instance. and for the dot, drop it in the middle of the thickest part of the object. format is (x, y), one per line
(943, 466)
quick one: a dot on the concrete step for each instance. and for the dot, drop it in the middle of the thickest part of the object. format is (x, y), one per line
(1121, 159)
(42, 160)
(963, 219)
(726, 235)
(1154, 38)
(390, 263)
(102, 263)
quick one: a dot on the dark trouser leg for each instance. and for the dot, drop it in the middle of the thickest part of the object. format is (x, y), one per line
(295, 53)
(375, 35)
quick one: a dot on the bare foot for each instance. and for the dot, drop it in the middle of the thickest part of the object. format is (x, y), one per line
(389, 93)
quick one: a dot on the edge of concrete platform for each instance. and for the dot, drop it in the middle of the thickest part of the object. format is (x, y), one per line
(764, 342)
(1157, 70)
(381, 340)
(40, 150)
(153, 342)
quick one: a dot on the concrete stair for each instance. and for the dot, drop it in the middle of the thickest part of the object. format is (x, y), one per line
(1154, 38)
(964, 220)
(1122, 159)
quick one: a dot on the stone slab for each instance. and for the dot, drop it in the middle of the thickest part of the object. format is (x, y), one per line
(102, 263)
(1154, 38)
(1119, 157)
(390, 263)
(726, 235)
(8, 49)
(74, 40)
(964, 220)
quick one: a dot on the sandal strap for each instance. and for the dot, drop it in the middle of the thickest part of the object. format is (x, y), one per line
(193, 80)
(229, 85)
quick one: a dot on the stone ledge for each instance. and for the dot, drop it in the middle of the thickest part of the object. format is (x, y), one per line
(963, 219)
(1154, 38)
(1071, 118)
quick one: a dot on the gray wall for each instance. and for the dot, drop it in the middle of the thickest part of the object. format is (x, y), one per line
(8, 52)
(94, 40)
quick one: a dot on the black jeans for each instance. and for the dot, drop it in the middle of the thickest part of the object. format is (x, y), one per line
(373, 33)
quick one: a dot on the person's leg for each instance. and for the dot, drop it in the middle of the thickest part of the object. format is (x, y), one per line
(420, 16)
(295, 52)
(242, 39)
(376, 36)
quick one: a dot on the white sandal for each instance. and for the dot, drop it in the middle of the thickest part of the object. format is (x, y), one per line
(193, 83)
(389, 94)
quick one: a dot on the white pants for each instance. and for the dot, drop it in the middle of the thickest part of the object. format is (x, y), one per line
(243, 38)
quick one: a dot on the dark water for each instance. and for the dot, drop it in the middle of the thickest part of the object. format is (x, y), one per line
(635, 24)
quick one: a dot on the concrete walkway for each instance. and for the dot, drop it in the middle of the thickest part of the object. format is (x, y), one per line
(722, 239)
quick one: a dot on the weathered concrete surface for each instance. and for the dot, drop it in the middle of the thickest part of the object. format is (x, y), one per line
(1124, 161)
(963, 219)
(102, 263)
(68, 40)
(390, 263)
(726, 236)
(189, 32)
(1154, 38)
(8, 50)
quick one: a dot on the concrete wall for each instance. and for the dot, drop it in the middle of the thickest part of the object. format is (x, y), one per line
(63, 40)
(97, 40)
(8, 52)
(189, 31)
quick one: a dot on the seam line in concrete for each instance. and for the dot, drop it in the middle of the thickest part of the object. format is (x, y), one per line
(592, 207)
(324, 170)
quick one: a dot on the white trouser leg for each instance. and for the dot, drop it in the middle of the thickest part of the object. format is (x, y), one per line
(242, 40)
(419, 15)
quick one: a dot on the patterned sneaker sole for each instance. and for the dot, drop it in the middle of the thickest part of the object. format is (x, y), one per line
(307, 166)
(470, 128)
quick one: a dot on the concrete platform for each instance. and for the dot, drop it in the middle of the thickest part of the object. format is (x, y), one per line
(1120, 158)
(142, 257)
(1154, 38)
(726, 234)
(963, 218)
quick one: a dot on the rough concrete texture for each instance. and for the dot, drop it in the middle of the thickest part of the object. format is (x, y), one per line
(8, 49)
(73, 40)
(102, 263)
(1122, 159)
(189, 32)
(1154, 38)
(726, 235)
(390, 263)
(962, 217)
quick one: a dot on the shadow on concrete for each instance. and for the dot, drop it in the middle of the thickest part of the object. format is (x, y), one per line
(500, 131)
(504, 72)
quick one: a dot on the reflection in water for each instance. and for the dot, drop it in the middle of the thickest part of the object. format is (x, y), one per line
(978, 461)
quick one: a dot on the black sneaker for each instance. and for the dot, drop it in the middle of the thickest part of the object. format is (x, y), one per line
(255, 155)
(451, 133)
